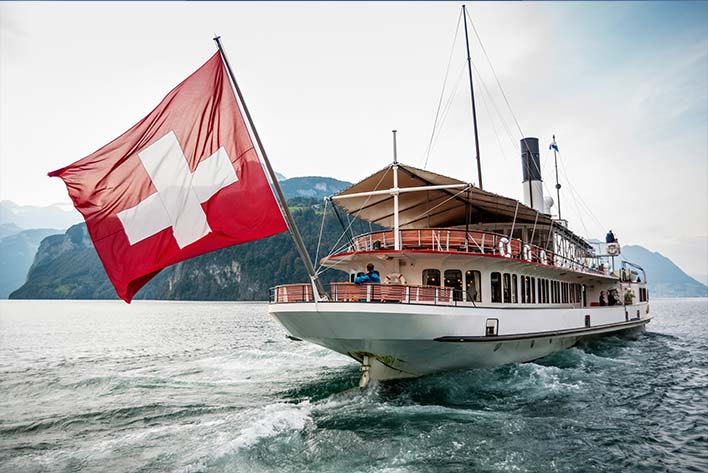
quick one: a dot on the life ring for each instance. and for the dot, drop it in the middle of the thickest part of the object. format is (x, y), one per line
(527, 252)
(395, 278)
(544, 257)
(505, 248)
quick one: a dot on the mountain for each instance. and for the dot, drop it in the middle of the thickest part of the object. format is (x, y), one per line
(701, 278)
(67, 266)
(665, 279)
(28, 216)
(17, 252)
(312, 186)
(7, 229)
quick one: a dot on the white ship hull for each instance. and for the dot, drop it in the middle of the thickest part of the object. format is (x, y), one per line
(404, 340)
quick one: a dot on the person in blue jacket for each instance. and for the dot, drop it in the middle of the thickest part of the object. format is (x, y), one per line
(371, 276)
(610, 237)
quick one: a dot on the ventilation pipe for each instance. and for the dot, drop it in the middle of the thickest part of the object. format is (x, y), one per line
(531, 171)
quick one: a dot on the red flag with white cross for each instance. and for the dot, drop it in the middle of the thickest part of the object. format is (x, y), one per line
(184, 181)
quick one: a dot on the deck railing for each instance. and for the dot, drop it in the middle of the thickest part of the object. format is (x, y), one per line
(472, 242)
(350, 292)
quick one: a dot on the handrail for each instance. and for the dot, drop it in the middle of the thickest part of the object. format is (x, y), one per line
(351, 292)
(382, 293)
(471, 242)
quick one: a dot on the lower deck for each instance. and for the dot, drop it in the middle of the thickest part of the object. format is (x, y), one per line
(403, 340)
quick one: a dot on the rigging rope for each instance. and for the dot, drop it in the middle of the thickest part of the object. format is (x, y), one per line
(442, 92)
(319, 240)
(516, 121)
(447, 107)
(465, 189)
(573, 190)
(351, 221)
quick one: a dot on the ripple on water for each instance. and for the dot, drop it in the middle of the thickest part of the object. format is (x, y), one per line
(217, 387)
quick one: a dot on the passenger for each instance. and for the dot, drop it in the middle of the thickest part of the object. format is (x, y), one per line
(602, 299)
(371, 276)
(629, 297)
(610, 237)
(612, 298)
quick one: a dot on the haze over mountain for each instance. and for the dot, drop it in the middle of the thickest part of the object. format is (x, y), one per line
(17, 251)
(60, 216)
(665, 278)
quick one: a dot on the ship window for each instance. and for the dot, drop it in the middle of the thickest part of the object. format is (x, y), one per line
(533, 290)
(554, 292)
(514, 294)
(453, 279)
(496, 287)
(472, 280)
(558, 298)
(507, 287)
(431, 277)
(523, 289)
(563, 300)
(539, 295)
(546, 295)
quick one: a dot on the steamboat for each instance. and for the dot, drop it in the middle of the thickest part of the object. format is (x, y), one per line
(464, 278)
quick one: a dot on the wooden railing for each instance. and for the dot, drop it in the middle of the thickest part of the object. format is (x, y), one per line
(472, 242)
(350, 292)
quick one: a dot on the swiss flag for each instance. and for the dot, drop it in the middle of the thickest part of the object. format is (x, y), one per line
(184, 181)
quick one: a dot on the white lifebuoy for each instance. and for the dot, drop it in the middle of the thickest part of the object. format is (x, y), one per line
(527, 252)
(395, 278)
(544, 257)
(505, 247)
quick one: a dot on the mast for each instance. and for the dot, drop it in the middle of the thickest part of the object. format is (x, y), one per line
(554, 147)
(294, 232)
(474, 109)
(395, 191)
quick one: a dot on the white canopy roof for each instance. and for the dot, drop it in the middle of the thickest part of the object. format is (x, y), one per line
(431, 208)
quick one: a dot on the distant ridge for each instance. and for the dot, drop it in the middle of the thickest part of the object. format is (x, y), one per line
(17, 252)
(59, 216)
(665, 278)
(315, 187)
(67, 266)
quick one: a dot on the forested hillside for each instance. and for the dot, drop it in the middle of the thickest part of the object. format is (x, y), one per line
(67, 267)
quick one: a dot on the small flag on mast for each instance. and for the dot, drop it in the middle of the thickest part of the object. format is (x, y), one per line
(184, 181)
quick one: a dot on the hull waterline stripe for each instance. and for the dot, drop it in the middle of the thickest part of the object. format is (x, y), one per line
(579, 331)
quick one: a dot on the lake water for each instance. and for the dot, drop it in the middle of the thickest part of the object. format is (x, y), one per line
(193, 387)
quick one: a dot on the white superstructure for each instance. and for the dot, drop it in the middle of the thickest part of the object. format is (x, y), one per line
(468, 279)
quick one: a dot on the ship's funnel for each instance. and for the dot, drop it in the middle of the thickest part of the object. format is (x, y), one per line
(531, 171)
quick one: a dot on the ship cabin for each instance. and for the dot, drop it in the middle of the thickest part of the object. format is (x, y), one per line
(438, 240)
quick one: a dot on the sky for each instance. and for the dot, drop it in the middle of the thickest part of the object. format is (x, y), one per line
(623, 86)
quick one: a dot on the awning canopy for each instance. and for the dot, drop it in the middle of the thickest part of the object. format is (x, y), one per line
(431, 208)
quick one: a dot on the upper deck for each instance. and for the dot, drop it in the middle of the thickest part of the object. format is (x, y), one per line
(445, 241)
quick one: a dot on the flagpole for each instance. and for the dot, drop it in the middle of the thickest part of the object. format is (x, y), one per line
(294, 232)
(558, 186)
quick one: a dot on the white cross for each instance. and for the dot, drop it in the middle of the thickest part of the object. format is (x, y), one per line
(180, 193)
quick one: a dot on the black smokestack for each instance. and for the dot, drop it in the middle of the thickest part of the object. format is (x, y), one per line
(530, 159)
